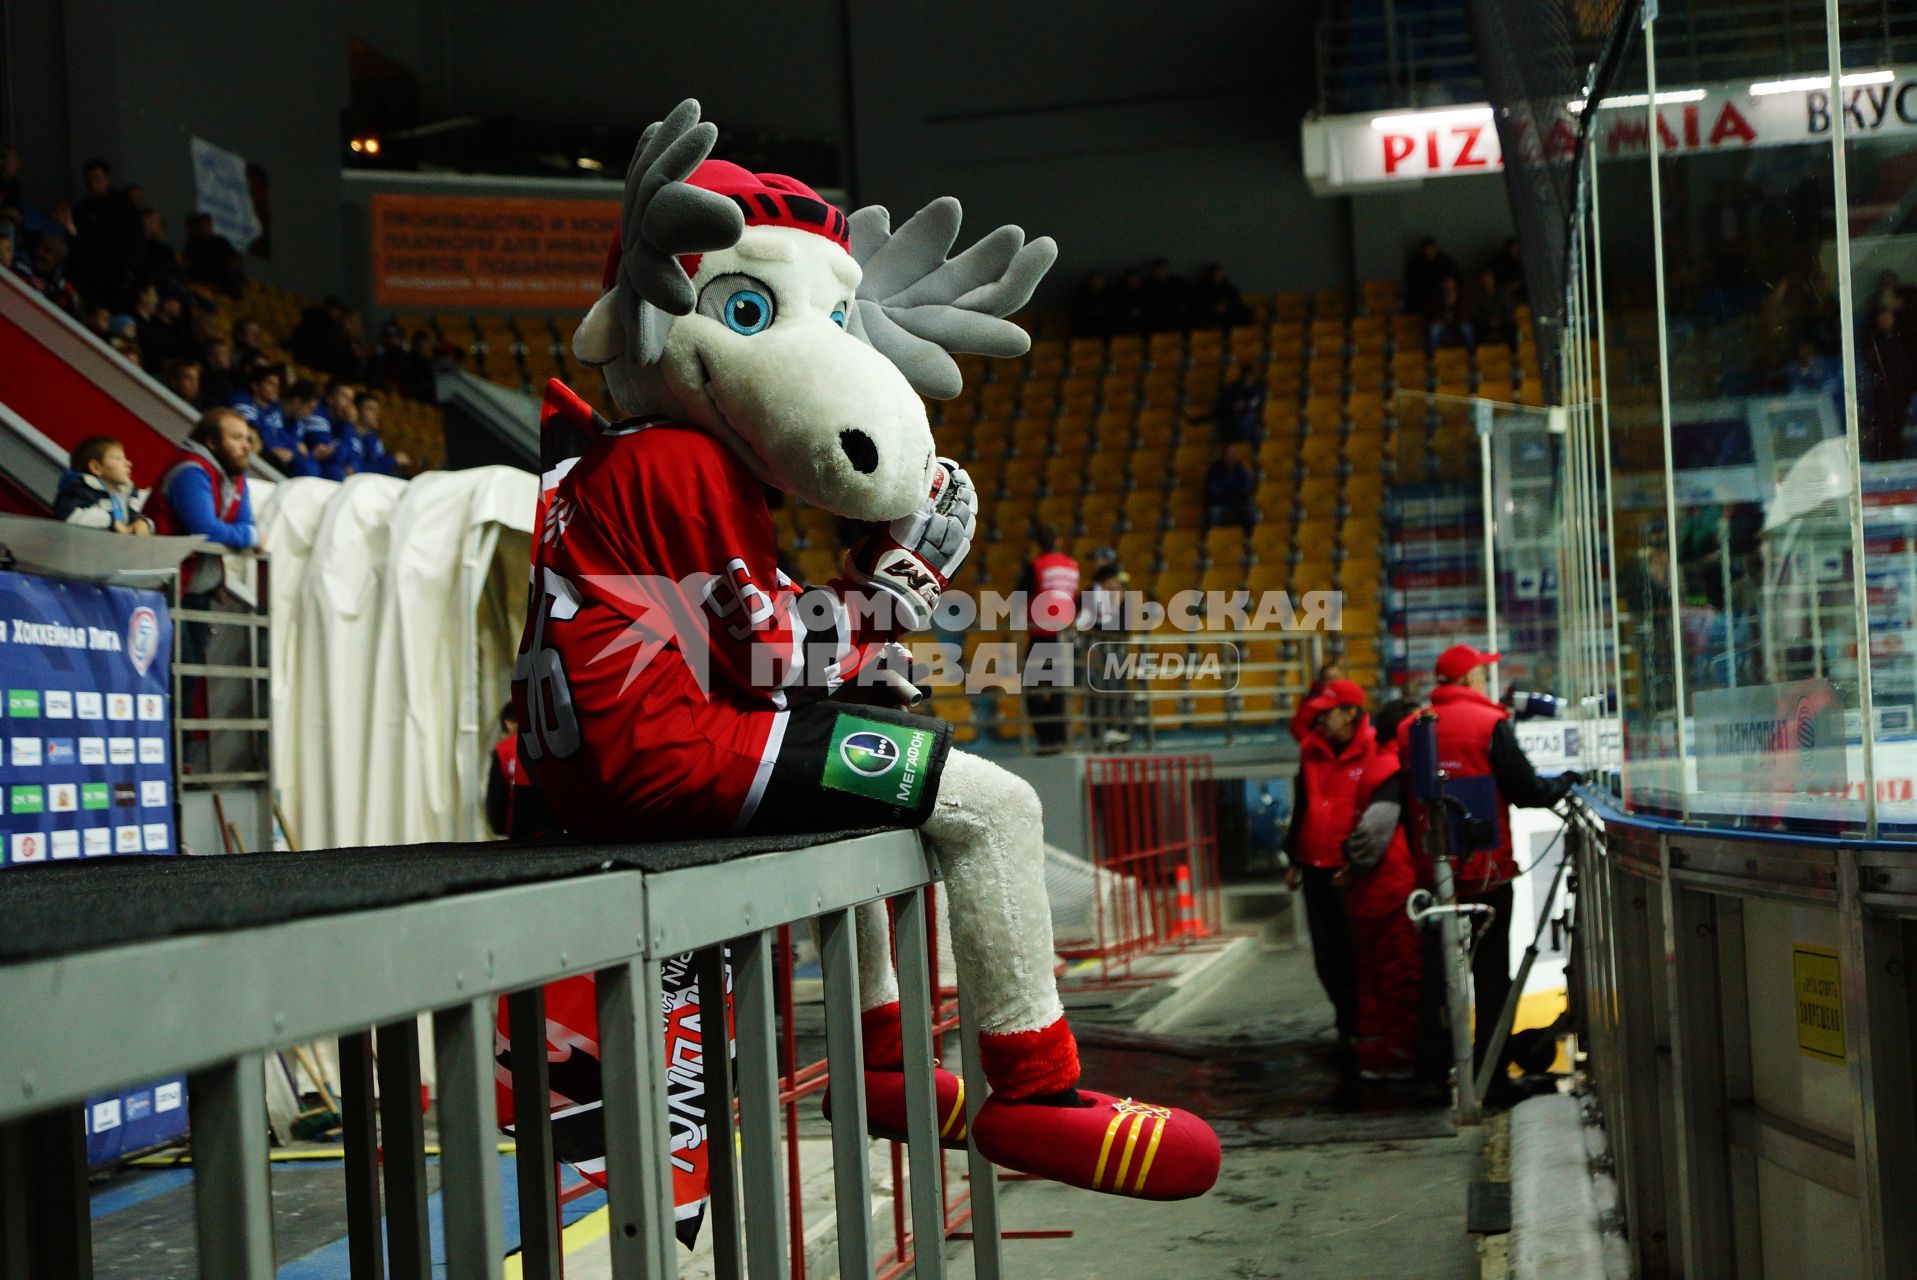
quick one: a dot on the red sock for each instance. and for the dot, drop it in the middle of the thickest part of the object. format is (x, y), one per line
(884, 1041)
(1026, 1064)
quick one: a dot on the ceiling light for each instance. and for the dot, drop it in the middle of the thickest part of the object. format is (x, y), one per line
(1417, 119)
(587, 162)
(1802, 83)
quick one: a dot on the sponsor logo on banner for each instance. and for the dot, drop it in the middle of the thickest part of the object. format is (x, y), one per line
(25, 753)
(28, 846)
(152, 707)
(106, 1115)
(1760, 745)
(119, 706)
(142, 638)
(138, 1106)
(89, 705)
(96, 842)
(63, 797)
(25, 798)
(94, 795)
(93, 751)
(152, 750)
(166, 1097)
(125, 795)
(153, 836)
(153, 795)
(60, 751)
(878, 760)
(59, 704)
(126, 839)
(66, 844)
(23, 704)
(120, 750)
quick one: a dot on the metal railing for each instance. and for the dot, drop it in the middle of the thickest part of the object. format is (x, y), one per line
(1743, 1008)
(78, 1024)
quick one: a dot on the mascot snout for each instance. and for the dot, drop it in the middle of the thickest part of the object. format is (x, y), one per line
(825, 416)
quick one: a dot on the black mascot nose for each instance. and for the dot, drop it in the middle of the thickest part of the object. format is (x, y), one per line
(859, 449)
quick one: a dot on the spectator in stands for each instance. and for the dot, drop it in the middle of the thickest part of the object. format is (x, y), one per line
(1887, 379)
(259, 404)
(123, 335)
(392, 357)
(13, 205)
(182, 378)
(340, 408)
(369, 447)
(1425, 272)
(45, 269)
(248, 342)
(1216, 302)
(305, 429)
(164, 333)
(97, 489)
(1050, 586)
(107, 235)
(1092, 307)
(216, 371)
(1128, 305)
(1508, 262)
(211, 258)
(321, 340)
(1167, 299)
(1494, 317)
(99, 322)
(1229, 488)
(159, 264)
(9, 244)
(1239, 415)
(1446, 324)
(1332, 759)
(203, 492)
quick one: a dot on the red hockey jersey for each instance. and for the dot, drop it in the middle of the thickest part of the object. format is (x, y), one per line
(663, 645)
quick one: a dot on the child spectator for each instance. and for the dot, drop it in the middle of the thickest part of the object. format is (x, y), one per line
(259, 405)
(96, 492)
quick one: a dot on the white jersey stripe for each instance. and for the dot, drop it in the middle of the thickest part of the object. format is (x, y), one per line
(774, 739)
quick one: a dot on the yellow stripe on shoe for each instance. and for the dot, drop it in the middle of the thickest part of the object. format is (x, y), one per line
(1104, 1152)
(1125, 1162)
(1151, 1151)
(956, 1118)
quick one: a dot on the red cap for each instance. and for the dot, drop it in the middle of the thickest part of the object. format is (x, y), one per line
(1342, 693)
(1458, 661)
(766, 200)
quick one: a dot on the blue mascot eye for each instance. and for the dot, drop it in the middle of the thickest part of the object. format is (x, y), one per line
(838, 318)
(748, 312)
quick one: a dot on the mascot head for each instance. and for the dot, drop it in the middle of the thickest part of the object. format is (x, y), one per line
(745, 305)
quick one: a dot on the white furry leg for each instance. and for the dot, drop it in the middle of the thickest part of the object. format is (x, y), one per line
(878, 983)
(986, 827)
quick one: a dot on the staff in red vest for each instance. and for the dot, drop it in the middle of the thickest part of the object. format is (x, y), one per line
(202, 490)
(1475, 741)
(1379, 877)
(1337, 747)
(1050, 586)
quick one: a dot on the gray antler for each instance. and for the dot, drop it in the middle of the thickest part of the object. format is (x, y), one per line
(916, 306)
(663, 217)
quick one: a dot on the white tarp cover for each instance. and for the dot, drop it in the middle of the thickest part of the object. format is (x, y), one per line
(396, 610)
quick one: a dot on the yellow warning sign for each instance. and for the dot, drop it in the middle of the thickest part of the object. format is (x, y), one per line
(1819, 995)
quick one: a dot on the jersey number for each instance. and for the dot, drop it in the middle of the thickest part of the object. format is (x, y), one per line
(552, 726)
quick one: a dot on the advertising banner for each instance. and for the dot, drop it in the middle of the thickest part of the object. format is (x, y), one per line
(1342, 152)
(221, 189)
(87, 767)
(1764, 745)
(461, 252)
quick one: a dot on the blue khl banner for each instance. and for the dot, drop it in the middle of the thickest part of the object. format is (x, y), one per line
(86, 769)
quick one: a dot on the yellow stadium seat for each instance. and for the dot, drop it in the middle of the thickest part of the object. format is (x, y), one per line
(1226, 544)
(1156, 426)
(1105, 472)
(1289, 307)
(1060, 511)
(1144, 508)
(1378, 295)
(1136, 551)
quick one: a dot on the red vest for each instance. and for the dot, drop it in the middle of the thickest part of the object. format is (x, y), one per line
(160, 511)
(1465, 721)
(1054, 571)
(1331, 794)
(1384, 890)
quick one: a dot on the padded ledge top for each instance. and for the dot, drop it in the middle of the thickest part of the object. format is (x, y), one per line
(56, 908)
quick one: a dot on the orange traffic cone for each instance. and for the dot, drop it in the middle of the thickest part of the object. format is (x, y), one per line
(1187, 926)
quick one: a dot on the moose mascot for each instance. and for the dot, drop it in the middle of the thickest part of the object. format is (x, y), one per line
(757, 337)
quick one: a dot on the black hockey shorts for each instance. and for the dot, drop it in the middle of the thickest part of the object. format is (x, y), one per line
(842, 766)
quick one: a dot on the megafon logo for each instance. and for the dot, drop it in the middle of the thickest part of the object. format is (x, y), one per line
(142, 638)
(872, 755)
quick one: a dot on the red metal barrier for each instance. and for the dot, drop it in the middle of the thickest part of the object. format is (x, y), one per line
(1154, 838)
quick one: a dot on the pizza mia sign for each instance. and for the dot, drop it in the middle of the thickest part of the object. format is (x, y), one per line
(1347, 152)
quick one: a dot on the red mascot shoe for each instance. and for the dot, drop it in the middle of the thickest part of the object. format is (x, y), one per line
(885, 1106)
(1115, 1145)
